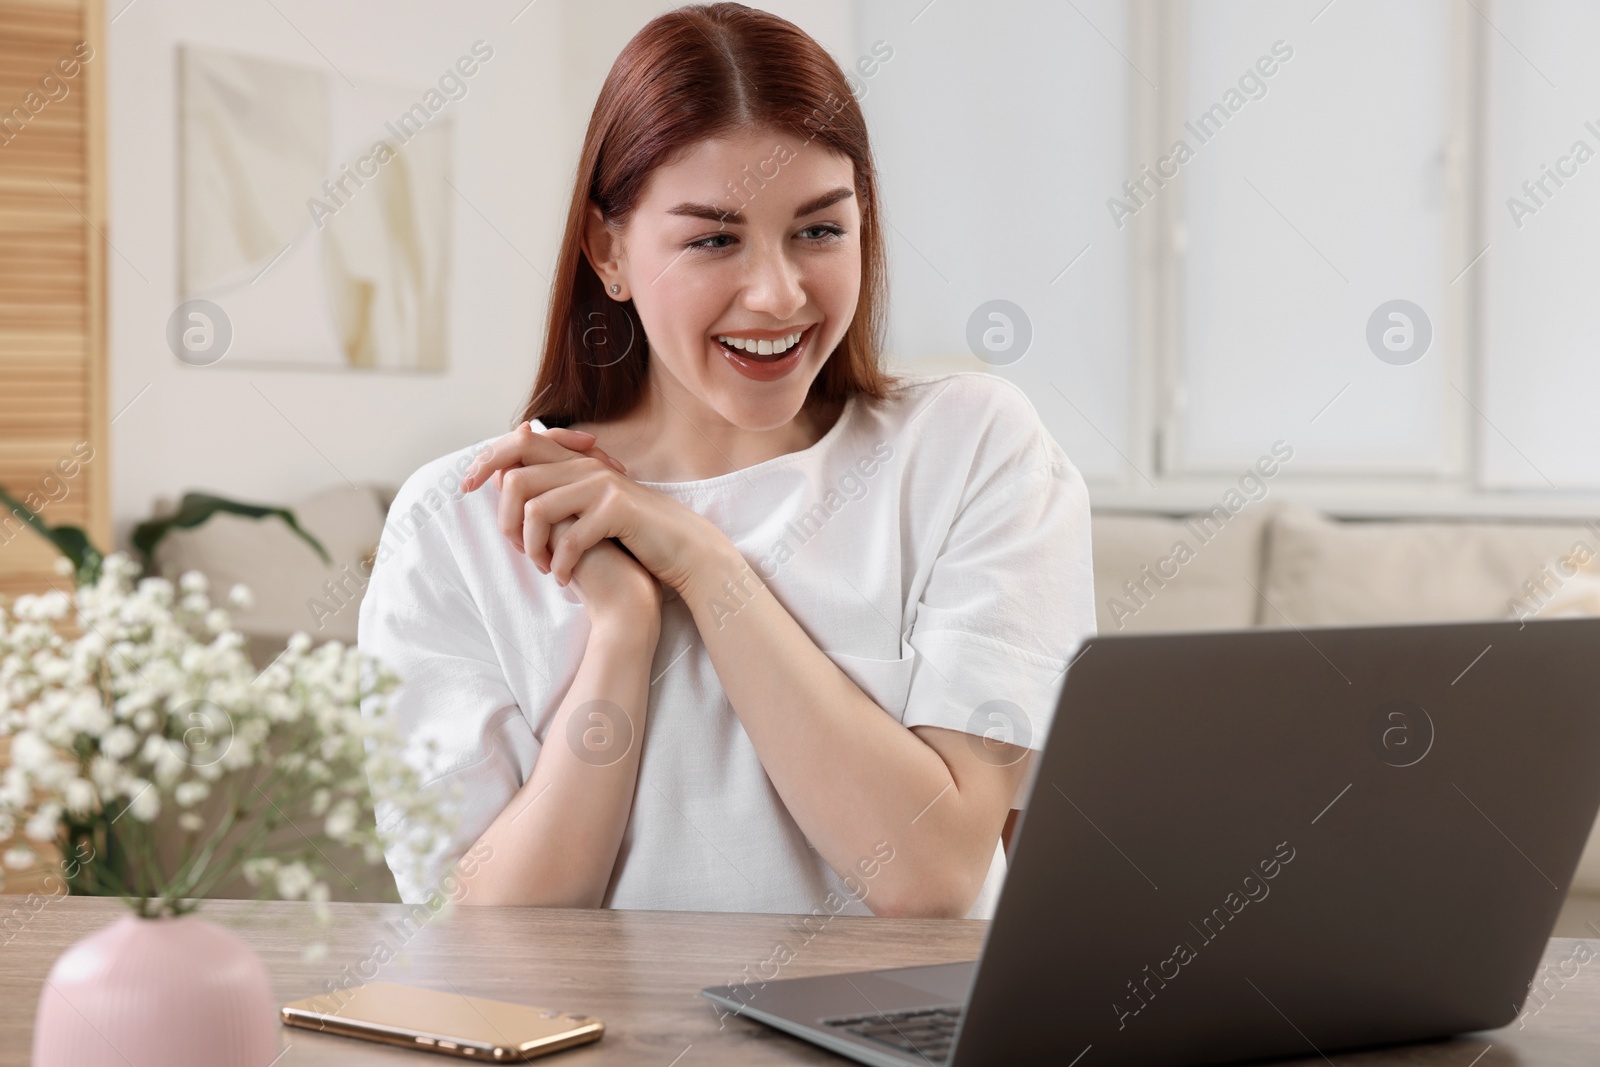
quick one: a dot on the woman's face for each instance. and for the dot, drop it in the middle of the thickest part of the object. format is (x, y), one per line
(754, 238)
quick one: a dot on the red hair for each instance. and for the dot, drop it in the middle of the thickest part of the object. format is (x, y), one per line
(696, 73)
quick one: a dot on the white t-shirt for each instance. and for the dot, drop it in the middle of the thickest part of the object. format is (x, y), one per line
(935, 545)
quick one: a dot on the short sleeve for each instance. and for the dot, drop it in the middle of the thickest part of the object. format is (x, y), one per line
(1010, 596)
(419, 620)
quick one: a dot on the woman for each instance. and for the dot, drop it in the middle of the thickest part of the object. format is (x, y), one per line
(731, 620)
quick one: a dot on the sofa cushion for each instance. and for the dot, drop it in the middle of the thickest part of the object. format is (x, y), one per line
(1577, 595)
(293, 588)
(1191, 573)
(1322, 571)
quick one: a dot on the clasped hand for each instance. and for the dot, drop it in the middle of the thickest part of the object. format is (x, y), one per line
(562, 499)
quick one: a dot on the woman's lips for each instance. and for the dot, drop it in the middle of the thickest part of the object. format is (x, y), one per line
(769, 368)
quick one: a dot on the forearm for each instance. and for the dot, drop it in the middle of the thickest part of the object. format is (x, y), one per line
(556, 841)
(850, 774)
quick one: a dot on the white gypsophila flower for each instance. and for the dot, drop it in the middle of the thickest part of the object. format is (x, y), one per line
(30, 754)
(145, 804)
(119, 742)
(193, 660)
(257, 869)
(42, 607)
(193, 582)
(157, 590)
(42, 825)
(165, 758)
(294, 879)
(87, 715)
(191, 822)
(190, 793)
(341, 821)
(19, 858)
(53, 671)
(80, 796)
(241, 598)
(131, 701)
(107, 775)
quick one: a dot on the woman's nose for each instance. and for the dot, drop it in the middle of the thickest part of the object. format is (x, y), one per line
(773, 286)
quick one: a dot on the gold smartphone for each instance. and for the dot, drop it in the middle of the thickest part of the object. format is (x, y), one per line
(449, 1023)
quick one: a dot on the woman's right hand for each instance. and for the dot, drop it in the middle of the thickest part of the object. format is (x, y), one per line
(614, 588)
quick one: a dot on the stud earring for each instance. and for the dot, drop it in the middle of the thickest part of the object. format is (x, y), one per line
(615, 289)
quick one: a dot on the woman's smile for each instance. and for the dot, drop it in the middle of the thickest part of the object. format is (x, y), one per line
(755, 358)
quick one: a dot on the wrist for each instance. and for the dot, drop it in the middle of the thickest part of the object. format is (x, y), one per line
(702, 559)
(724, 578)
(636, 628)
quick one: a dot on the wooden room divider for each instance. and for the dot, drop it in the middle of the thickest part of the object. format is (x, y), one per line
(53, 245)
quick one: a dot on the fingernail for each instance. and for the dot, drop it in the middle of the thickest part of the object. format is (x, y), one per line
(583, 433)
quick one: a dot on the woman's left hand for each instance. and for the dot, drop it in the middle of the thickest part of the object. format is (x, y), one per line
(543, 482)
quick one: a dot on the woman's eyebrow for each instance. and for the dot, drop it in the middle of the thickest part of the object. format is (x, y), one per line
(712, 213)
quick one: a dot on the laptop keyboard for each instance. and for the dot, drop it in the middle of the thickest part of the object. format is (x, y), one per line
(926, 1032)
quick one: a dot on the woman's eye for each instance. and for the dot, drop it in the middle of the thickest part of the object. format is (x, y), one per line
(829, 233)
(703, 243)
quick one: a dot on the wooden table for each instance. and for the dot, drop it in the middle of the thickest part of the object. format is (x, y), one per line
(642, 971)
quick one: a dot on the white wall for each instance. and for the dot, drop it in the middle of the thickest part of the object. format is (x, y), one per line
(1315, 204)
(1540, 373)
(270, 435)
(999, 131)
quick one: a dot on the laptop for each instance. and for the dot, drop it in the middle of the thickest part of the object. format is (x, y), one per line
(1256, 844)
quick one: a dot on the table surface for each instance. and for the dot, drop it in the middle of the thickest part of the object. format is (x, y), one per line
(641, 972)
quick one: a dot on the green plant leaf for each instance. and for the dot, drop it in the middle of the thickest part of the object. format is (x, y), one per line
(70, 540)
(196, 508)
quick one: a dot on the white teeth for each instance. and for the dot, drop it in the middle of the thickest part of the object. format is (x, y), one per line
(762, 348)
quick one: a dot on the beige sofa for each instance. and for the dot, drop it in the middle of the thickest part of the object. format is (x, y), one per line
(1270, 563)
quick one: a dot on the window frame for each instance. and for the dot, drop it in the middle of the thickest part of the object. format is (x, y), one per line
(1157, 480)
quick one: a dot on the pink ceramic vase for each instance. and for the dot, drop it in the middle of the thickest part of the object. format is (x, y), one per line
(157, 993)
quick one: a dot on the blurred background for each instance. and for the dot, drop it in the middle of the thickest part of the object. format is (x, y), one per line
(1303, 287)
